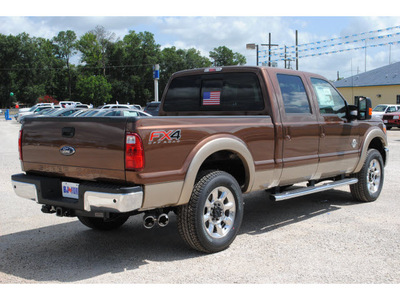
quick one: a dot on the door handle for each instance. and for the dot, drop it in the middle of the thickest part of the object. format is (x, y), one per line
(68, 132)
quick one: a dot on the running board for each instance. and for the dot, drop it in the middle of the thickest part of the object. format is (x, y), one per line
(312, 189)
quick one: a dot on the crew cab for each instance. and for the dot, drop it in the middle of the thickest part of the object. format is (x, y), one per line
(221, 132)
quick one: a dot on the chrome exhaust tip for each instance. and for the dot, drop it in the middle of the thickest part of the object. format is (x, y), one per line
(163, 220)
(149, 221)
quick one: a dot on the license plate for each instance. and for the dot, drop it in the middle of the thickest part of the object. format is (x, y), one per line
(70, 189)
(385, 121)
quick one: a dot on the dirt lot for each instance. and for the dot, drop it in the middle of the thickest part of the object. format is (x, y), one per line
(322, 238)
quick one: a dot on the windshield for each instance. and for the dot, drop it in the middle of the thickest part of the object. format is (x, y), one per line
(380, 108)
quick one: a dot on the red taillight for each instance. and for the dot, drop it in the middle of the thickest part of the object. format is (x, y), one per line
(20, 144)
(134, 154)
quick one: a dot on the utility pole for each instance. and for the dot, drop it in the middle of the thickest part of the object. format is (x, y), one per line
(285, 56)
(297, 51)
(269, 49)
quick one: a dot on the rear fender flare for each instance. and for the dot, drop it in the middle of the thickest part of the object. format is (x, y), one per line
(221, 143)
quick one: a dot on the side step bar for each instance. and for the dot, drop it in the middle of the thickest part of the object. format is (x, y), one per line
(312, 189)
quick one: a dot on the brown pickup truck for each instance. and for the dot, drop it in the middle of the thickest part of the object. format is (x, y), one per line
(221, 132)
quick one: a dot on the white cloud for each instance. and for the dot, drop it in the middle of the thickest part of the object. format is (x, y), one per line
(207, 32)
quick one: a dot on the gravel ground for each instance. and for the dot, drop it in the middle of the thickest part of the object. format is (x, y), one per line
(322, 238)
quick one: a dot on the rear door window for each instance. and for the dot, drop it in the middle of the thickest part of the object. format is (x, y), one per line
(294, 94)
(221, 92)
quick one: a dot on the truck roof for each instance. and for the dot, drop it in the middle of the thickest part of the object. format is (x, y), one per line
(241, 69)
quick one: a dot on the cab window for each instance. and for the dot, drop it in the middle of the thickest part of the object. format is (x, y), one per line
(294, 94)
(329, 100)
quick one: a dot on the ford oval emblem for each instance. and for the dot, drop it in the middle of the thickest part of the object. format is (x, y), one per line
(67, 150)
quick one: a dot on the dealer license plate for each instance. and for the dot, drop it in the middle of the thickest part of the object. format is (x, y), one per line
(70, 189)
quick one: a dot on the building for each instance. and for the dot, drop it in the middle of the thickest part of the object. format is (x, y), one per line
(382, 85)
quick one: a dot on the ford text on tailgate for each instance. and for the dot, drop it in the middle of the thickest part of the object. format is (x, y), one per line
(220, 133)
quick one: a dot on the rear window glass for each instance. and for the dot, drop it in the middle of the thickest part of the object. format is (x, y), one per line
(222, 92)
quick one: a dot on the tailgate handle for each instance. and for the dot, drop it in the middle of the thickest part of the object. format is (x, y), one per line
(68, 132)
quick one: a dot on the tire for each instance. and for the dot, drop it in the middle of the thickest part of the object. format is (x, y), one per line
(388, 127)
(212, 218)
(370, 178)
(104, 225)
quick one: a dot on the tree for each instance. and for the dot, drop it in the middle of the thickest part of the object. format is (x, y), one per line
(65, 47)
(173, 60)
(224, 56)
(94, 89)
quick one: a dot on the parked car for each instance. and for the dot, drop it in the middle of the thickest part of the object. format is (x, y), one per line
(33, 110)
(110, 106)
(152, 108)
(392, 120)
(67, 104)
(124, 113)
(26, 109)
(137, 106)
(382, 109)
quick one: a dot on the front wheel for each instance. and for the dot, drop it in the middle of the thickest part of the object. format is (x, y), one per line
(212, 218)
(370, 178)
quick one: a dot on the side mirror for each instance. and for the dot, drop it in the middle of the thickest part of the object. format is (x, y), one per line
(364, 108)
(353, 112)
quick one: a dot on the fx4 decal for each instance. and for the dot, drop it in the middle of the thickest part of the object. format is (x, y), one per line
(162, 136)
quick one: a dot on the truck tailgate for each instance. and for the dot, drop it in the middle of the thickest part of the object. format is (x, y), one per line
(83, 148)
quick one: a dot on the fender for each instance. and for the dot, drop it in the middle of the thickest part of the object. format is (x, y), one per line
(373, 133)
(209, 147)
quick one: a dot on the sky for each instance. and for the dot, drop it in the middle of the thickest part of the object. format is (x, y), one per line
(209, 24)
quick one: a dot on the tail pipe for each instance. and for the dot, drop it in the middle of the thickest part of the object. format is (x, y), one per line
(149, 221)
(163, 220)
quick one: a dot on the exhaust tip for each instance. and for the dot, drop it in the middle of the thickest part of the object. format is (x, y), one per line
(163, 220)
(149, 221)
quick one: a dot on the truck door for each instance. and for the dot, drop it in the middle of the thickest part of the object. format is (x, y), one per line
(340, 141)
(300, 129)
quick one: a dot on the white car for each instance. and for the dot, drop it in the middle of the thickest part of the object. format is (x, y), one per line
(382, 109)
(33, 110)
(111, 106)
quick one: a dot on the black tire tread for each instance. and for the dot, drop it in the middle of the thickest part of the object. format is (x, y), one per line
(359, 190)
(187, 213)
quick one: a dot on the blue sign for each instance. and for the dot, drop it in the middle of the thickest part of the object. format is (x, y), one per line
(156, 74)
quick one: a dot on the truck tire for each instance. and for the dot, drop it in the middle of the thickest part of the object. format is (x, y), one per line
(212, 218)
(370, 178)
(101, 224)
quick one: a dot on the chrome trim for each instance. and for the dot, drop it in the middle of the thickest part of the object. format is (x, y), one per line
(312, 189)
(108, 202)
(25, 190)
(386, 156)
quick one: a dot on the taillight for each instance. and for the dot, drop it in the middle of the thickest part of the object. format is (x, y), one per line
(20, 144)
(134, 154)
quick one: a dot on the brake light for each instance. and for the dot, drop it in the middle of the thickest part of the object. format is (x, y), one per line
(134, 154)
(20, 145)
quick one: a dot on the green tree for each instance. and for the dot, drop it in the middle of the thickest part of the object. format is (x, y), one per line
(65, 47)
(94, 89)
(173, 60)
(224, 56)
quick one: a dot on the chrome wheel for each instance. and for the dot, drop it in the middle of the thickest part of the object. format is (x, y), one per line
(374, 176)
(219, 212)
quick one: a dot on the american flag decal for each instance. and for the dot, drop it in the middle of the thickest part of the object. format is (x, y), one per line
(211, 98)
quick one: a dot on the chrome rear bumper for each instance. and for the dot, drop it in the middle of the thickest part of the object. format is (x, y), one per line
(92, 197)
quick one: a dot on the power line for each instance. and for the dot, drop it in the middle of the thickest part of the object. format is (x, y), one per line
(318, 46)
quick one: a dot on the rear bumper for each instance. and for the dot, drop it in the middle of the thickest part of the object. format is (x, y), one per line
(93, 197)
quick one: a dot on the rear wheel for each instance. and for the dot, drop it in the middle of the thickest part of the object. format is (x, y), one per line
(370, 178)
(104, 224)
(212, 218)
